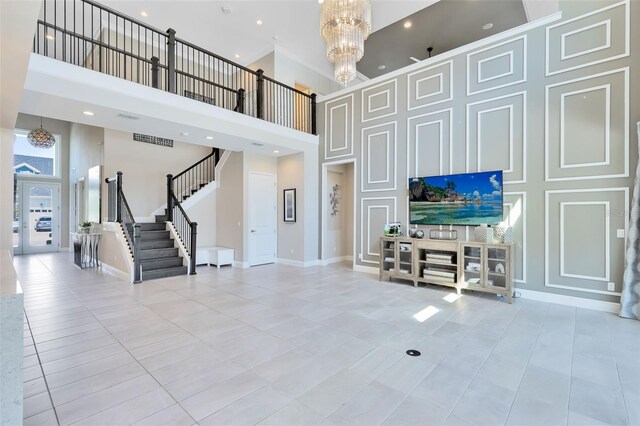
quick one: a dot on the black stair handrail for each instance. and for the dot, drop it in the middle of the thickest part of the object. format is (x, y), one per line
(118, 210)
(88, 34)
(186, 229)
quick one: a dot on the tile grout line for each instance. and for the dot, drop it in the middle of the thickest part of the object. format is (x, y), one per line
(573, 343)
(526, 365)
(108, 331)
(615, 362)
(44, 377)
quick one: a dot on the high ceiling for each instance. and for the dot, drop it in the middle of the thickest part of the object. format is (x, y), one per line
(230, 29)
(445, 25)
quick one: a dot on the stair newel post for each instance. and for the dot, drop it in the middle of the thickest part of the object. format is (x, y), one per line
(170, 198)
(192, 249)
(119, 197)
(260, 94)
(171, 60)
(137, 268)
(240, 96)
(314, 130)
(155, 68)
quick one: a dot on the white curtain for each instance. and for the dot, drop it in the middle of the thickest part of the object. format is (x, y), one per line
(630, 300)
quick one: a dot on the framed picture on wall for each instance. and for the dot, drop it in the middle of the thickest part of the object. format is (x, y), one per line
(289, 205)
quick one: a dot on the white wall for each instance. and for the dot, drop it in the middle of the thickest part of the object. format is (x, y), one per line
(6, 189)
(289, 71)
(86, 151)
(291, 235)
(145, 167)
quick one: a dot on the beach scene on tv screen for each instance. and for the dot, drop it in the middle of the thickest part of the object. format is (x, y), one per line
(462, 199)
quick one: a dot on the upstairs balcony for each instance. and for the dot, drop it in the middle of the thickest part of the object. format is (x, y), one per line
(95, 37)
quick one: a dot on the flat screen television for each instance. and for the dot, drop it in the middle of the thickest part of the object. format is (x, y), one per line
(460, 199)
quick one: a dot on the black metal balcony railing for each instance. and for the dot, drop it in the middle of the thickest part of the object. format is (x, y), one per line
(93, 36)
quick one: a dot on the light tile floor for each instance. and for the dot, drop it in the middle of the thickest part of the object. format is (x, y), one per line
(279, 345)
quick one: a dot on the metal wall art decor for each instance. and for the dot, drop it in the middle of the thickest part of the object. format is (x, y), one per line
(289, 205)
(334, 199)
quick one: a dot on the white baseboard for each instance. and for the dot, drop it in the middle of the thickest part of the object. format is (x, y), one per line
(339, 259)
(366, 269)
(577, 302)
(113, 271)
(298, 263)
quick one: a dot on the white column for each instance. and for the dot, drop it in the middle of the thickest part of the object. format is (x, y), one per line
(6, 189)
(11, 343)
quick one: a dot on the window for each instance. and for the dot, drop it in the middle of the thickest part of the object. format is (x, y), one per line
(29, 160)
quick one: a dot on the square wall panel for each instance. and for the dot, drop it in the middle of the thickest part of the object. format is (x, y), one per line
(430, 86)
(587, 127)
(374, 214)
(380, 100)
(582, 249)
(379, 155)
(497, 136)
(599, 36)
(497, 66)
(339, 127)
(429, 144)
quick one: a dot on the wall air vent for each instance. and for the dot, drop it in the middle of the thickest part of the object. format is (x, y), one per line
(226, 10)
(257, 144)
(128, 116)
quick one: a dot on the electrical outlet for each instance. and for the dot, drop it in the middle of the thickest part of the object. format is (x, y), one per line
(611, 287)
(620, 233)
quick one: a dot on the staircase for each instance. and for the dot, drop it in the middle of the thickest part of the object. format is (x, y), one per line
(158, 256)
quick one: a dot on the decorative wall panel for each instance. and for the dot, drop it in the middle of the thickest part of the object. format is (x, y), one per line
(497, 136)
(584, 239)
(429, 86)
(599, 36)
(496, 66)
(378, 150)
(429, 144)
(515, 215)
(375, 212)
(587, 127)
(339, 127)
(380, 100)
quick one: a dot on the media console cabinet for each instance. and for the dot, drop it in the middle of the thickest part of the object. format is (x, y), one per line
(463, 265)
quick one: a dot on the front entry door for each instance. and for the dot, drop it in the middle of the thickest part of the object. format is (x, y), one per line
(38, 221)
(262, 219)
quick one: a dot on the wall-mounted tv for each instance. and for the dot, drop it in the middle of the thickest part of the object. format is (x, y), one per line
(460, 199)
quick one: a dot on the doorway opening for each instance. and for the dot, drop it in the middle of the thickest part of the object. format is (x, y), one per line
(338, 211)
(36, 226)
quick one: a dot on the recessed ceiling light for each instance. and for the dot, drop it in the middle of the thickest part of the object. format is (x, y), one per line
(88, 113)
(143, 13)
(276, 151)
(381, 67)
(487, 26)
(50, 37)
(237, 56)
(320, 1)
(259, 22)
(185, 133)
(209, 138)
(407, 24)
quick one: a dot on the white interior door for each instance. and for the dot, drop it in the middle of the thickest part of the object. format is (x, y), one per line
(39, 222)
(262, 218)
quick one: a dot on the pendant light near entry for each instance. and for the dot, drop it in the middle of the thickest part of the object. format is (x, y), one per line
(41, 138)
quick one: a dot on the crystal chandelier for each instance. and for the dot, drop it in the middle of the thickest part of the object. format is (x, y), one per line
(345, 25)
(41, 138)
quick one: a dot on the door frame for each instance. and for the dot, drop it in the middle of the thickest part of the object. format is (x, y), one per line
(56, 237)
(324, 204)
(275, 216)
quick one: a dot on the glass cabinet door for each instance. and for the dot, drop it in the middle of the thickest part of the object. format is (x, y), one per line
(405, 251)
(497, 266)
(472, 264)
(388, 256)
